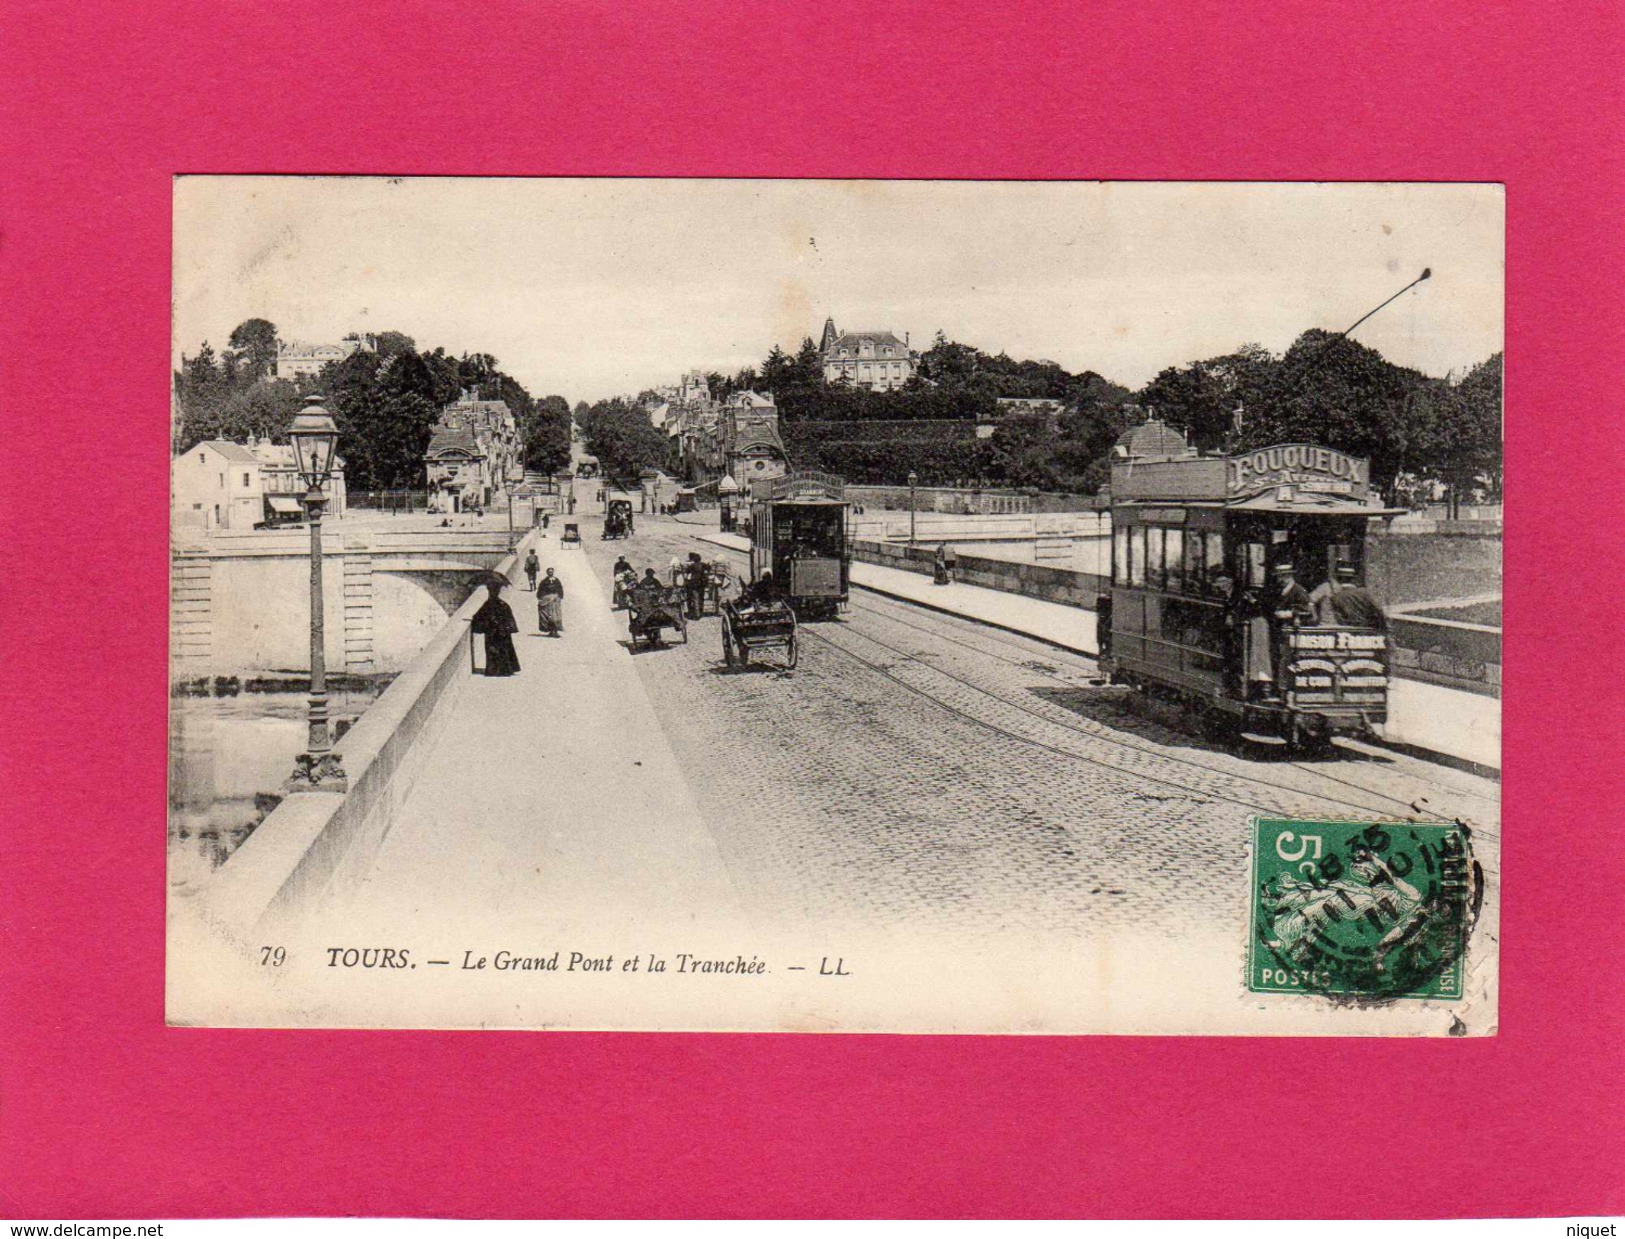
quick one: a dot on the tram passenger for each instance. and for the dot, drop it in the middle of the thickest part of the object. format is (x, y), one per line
(1257, 654)
(1284, 607)
(1342, 601)
(1289, 601)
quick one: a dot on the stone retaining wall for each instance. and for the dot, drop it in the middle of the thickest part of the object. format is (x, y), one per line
(1447, 652)
(1064, 585)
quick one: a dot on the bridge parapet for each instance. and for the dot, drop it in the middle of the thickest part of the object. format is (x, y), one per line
(318, 842)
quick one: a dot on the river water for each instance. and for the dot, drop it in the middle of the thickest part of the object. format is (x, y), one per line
(228, 758)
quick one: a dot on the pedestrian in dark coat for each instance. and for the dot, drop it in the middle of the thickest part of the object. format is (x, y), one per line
(495, 622)
(532, 567)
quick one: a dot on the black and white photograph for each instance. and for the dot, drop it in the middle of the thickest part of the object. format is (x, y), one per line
(1065, 607)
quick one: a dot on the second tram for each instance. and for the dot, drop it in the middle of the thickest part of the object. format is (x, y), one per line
(800, 535)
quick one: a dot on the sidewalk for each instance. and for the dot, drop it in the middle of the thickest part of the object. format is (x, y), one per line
(552, 795)
(1440, 721)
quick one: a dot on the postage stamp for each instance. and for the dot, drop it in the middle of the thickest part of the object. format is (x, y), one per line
(1361, 910)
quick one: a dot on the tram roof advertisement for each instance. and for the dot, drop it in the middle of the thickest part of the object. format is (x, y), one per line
(1297, 464)
(1305, 467)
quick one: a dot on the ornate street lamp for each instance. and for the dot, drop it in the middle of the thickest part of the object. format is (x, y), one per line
(315, 439)
(913, 481)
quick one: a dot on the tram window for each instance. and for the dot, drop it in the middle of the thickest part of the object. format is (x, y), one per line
(1214, 565)
(1194, 624)
(1153, 558)
(1136, 555)
(1195, 569)
(1174, 559)
(1120, 555)
(1253, 565)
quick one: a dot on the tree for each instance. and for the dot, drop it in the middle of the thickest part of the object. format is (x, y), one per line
(253, 345)
(621, 436)
(1201, 398)
(547, 435)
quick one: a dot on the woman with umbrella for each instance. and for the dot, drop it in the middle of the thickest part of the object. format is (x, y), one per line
(495, 622)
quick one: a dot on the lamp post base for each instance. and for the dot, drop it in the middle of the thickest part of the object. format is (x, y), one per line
(317, 772)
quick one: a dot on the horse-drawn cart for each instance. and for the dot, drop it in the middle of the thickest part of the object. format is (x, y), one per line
(718, 585)
(755, 627)
(653, 608)
(572, 535)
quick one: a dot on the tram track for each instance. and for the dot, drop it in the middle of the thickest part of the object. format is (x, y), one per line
(1238, 798)
(1385, 802)
(1105, 734)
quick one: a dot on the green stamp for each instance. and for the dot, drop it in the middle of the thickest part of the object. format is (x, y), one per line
(1361, 911)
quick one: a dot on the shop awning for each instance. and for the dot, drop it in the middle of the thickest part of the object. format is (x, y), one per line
(284, 505)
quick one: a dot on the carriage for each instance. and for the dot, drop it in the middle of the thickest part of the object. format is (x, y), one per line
(1192, 613)
(618, 519)
(571, 535)
(652, 608)
(801, 537)
(753, 627)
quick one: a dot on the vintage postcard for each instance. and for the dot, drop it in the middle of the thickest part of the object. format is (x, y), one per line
(913, 607)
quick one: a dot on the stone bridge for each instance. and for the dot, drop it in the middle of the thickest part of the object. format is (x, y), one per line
(238, 602)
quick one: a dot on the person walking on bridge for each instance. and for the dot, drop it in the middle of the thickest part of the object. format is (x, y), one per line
(550, 605)
(495, 622)
(532, 567)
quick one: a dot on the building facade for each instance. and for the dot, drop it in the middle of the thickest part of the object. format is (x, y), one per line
(284, 488)
(216, 485)
(873, 360)
(296, 359)
(475, 456)
(234, 486)
(751, 447)
(455, 470)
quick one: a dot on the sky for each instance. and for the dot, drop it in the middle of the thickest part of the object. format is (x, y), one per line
(590, 288)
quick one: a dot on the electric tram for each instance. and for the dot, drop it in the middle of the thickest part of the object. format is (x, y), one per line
(1200, 608)
(800, 535)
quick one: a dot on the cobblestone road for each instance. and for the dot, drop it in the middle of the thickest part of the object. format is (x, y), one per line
(917, 770)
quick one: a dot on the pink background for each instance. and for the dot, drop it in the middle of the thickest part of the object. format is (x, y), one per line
(104, 1112)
